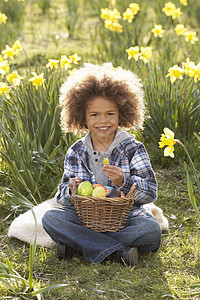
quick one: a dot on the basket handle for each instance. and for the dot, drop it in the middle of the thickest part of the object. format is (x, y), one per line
(73, 191)
(131, 193)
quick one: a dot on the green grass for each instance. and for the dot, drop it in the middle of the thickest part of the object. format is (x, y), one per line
(46, 36)
(172, 273)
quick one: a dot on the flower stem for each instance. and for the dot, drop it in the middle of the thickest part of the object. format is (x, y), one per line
(192, 164)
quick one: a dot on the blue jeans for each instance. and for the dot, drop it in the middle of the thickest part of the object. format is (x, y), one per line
(63, 225)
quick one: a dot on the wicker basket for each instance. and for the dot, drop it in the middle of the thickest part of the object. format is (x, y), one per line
(103, 214)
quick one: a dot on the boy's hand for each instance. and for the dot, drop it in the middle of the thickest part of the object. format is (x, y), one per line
(77, 180)
(115, 174)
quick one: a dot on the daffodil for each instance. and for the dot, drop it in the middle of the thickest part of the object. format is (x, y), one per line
(3, 18)
(52, 63)
(116, 27)
(135, 7)
(113, 26)
(167, 139)
(146, 54)
(37, 80)
(158, 31)
(4, 67)
(110, 14)
(8, 52)
(190, 36)
(4, 88)
(105, 13)
(188, 67)
(180, 29)
(75, 58)
(174, 73)
(133, 52)
(183, 2)
(192, 70)
(169, 9)
(112, 2)
(176, 13)
(65, 62)
(15, 78)
(17, 47)
(128, 15)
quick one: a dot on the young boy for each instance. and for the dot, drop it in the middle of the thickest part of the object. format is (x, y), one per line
(100, 99)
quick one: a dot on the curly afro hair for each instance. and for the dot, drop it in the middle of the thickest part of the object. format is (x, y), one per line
(91, 81)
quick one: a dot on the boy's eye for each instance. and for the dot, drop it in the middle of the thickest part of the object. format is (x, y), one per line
(111, 114)
(93, 115)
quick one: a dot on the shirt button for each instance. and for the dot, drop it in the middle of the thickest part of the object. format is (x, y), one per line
(95, 152)
(96, 159)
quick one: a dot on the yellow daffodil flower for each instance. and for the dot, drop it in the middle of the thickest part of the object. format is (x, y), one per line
(169, 9)
(134, 7)
(110, 14)
(113, 26)
(114, 14)
(183, 2)
(188, 67)
(112, 2)
(116, 27)
(15, 78)
(37, 80)
(4, 67)
(190, 36)
(65, 62)
(192, 70)
(75, 58)
(146, 54)
(133, 52)
(128, 15)
(17, 47)
(4, 88)
(52, 63)
(105, 13)
(3, 18)
(8, 52)
(174, 73)
(176, 13)
(158, 31)
(180, 29)
(167, 139)
(108, 23)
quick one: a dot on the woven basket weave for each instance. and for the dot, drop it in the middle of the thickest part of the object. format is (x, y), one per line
(104, 214)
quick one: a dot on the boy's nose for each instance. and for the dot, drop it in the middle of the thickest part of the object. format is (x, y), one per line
(103, 118)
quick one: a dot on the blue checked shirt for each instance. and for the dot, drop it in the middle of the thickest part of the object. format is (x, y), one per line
(129, 155)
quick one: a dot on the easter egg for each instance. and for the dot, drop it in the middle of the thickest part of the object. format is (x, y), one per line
(99, 192)
(98, 184)
(106, 161)
(85, 188)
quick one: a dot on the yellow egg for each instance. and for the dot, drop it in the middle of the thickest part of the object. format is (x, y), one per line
(106, 161)
(99, 192)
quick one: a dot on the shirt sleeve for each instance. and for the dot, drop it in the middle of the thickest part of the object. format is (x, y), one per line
(63, 195)
(142, 173)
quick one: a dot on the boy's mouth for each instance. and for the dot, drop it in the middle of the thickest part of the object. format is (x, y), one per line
(103, 128)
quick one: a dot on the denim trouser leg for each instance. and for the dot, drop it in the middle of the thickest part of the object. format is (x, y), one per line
(63, 225)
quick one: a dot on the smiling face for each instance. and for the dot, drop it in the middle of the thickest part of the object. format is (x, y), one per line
(102, 119)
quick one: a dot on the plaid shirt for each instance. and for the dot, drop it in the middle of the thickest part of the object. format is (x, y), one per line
(130, 155)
